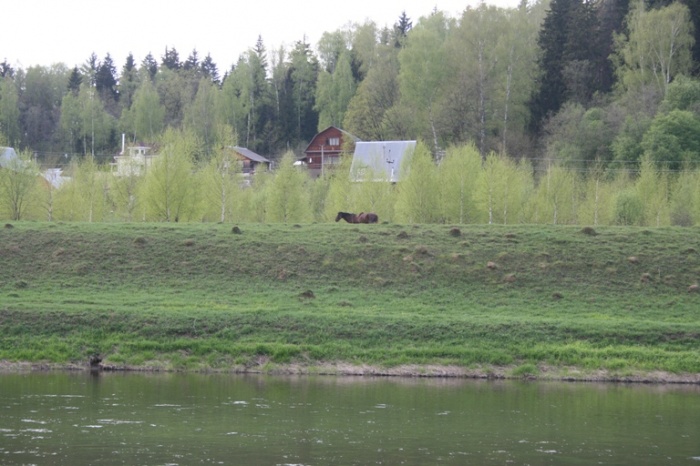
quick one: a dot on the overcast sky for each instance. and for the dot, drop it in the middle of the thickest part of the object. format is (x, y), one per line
(43, 32)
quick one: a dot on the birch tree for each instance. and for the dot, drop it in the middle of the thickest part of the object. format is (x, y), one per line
(418, 191)
(458, 173)
(659, 46)
(18, 179)
(169, 188)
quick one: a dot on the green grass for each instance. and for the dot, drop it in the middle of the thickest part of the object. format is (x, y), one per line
(198, 297)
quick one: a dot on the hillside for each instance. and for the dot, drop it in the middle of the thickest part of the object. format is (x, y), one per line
(558, 301)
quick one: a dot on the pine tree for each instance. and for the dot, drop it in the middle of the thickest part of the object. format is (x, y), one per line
(401, 29)
(6, 70)
(128, 82)
(303, 74)
(150, 66)
(209, 69)
(192, 62)
(564, 43)
(171, 59)
(106, 81)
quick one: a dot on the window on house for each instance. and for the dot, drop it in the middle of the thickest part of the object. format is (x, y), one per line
(334, 141)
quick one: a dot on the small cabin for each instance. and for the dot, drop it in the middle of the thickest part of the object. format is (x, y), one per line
(250, 161)
(325, 150)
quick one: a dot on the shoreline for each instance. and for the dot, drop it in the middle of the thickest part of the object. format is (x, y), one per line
(544, 374)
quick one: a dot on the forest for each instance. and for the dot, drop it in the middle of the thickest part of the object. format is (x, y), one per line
(589, 95)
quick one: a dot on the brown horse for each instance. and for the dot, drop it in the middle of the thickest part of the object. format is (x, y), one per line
(363, 217)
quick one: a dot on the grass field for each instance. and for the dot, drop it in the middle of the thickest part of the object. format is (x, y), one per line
(520, 301)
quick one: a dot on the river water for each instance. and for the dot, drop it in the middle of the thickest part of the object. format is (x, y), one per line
(184, 419)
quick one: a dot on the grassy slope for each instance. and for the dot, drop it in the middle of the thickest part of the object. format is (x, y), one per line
(202, 297)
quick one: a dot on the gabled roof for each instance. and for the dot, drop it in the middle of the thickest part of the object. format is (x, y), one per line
(379, 160)
(249, 154)
(345, 134)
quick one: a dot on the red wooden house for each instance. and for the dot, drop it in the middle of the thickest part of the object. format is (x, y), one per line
(326, 148)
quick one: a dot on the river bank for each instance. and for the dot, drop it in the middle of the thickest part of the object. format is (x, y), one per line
(532, 302)
(409, 371)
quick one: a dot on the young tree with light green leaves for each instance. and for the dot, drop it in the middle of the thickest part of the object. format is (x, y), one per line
(423, 78)
(288, 198)
(200, 114)
(96, 125)
(374, 195)
(658, 46)
(146, 118)
(255, 198)
(418, 192)
(502, 189)
(458, 173)
(91, 184)
(685, 198)
(340, 191)
(19, 177)
(652, 188)
(555, 200)
(597, 207)
(125, 193)
(221, 177)
(169, 189)
(334, 91)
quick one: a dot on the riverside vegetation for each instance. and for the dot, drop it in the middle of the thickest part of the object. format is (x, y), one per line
(533, 301)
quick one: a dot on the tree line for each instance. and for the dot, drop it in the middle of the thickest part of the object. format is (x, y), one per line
(533, 81)
(583, 91)
(463, 189)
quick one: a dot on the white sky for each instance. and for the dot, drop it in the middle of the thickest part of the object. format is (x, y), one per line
(44, 32)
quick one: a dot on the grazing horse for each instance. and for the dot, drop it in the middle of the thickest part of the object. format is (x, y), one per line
(363, 217)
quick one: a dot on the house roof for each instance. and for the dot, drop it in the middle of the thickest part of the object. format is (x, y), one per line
(249, 154)
(345, 134)
(54, 176)
(379, 160)
(7, 155)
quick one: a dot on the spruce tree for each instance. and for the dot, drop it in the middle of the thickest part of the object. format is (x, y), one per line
(171, 59)
(106, 81)
(552, 41)
(75, 80)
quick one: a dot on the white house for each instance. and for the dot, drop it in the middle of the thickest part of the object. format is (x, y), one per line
(136, 161)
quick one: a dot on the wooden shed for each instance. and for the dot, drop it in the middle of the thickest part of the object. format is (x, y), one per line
(250, 160)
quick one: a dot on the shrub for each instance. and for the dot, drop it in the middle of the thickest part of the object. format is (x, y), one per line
(629, 209)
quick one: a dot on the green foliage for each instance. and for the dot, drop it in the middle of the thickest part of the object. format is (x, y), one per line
(9, 112)
(682, 94)
(424, 62)
(147, 113)
(673, 139)
(334, 91)
(653, 190)
(220, 180)
(287, 199)
(419, 191)
(629, 209)
(169, 190)
(458, 173)
(658, 46)
(556, 197)
(19, 179)
(503, 189)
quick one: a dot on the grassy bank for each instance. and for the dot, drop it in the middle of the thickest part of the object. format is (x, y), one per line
(476, 300)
